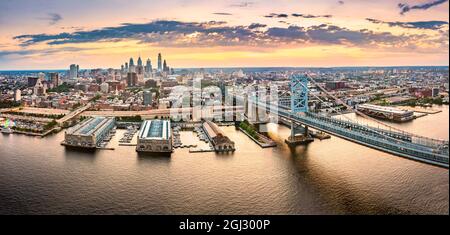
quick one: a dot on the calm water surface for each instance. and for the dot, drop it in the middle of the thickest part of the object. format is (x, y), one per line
(38, 176)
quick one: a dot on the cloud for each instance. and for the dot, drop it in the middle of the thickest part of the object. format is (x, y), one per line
(404, 7)
(309, 16)
(242, 4)
(213, 23)
(163, 32)
(256, 25)
(222, 13)
(52, 18)
(166, 33)
(341, 2)
(275, 15)
(330, 34)
(411, 25)
(291, 32)
(306, 16)
(42, 52)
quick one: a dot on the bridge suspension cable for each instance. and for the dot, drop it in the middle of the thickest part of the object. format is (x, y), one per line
(433, 141)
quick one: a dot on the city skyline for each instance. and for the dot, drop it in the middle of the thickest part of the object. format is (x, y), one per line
(51, 34)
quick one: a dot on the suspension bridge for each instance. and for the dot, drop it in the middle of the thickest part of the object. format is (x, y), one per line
(385, 138)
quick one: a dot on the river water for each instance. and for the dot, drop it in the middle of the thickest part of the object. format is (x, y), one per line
(334, 176)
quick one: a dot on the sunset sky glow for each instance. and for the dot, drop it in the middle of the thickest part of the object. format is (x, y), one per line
(51, 34)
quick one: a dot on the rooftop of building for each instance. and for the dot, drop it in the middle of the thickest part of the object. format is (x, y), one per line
(212, 129)
(155, 129)
(384, 108)
(90, 126)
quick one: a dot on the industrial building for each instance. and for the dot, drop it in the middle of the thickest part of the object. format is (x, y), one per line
(155, 137)
(219, 140)
(89, 133)
(387, 113)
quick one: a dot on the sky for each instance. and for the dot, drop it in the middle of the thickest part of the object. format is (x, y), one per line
(52, 34)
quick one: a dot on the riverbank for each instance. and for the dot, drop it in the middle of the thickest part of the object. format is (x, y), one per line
(268, 143)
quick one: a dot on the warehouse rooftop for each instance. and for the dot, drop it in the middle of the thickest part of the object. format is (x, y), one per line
(88, 127)
(155, 129)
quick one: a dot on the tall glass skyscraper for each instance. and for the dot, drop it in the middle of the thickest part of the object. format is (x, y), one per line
(159, 62)
(73, 71)
(148, 66)
(131, 62)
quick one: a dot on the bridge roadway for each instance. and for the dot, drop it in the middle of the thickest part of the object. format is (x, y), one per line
(145, 113)
(73, 113)
(396, 143)
(160, 112)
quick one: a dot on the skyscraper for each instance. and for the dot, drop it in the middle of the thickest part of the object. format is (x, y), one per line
(73, 71)
(139, 62)
(132, 79)
(165, 66)
(159, 62)
(131, 62)
(148, 66)
(54, 79)
(132, 67)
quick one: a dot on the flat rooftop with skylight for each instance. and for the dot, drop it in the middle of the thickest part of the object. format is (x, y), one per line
(155, 137)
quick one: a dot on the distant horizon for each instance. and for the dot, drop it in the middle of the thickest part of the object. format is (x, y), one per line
(245, 67)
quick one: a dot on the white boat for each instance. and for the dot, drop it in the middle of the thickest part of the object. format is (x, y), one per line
(6, 130)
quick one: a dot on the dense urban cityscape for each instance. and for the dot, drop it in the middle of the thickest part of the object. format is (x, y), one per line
(232, 107)
(33, 101)
(44, 103)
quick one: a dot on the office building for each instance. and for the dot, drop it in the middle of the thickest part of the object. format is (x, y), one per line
(159, 62)
(132, 79)
(140, 71)
(147, 97)
(73, 71)
(132, 67)
(335, 85)
(165, 68)
(148, 67)
(54, 79)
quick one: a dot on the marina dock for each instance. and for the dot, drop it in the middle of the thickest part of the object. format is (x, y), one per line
(421, 109)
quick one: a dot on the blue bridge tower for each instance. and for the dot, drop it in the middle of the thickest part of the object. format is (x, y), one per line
(299, 104)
